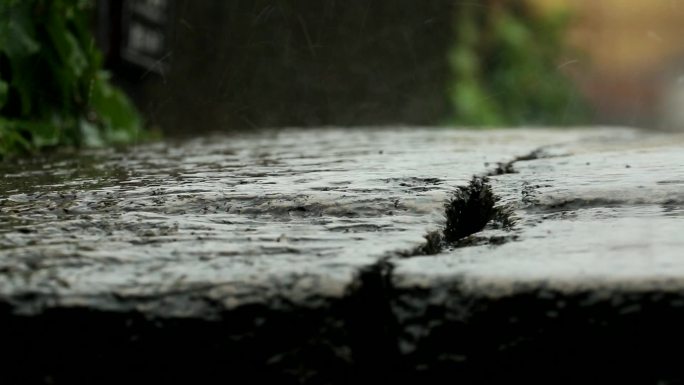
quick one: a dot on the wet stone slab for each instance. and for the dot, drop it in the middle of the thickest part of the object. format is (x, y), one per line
(232, 220)
(331, 256)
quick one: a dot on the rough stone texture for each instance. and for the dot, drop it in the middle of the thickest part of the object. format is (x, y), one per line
(302, 257)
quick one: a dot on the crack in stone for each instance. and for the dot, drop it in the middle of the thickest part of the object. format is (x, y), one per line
(471, 210)
(508, 167)
(467, 212)
(373, 326)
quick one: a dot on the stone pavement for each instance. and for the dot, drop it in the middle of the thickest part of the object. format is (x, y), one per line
(336, 256)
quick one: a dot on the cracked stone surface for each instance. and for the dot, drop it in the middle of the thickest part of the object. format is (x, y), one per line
(298, 256)
(603, 213)
(585, 287)
(224, 222)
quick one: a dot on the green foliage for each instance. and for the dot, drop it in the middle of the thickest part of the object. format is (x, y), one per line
(53, 91)
(505, 69)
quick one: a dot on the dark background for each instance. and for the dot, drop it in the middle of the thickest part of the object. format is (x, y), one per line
(244, 64)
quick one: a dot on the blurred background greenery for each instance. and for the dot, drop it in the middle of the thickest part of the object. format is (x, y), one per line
(214, 65)
(504, 64)
(53, 91)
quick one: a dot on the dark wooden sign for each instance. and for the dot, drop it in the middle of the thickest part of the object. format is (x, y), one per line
(137, 33)
(146, 32)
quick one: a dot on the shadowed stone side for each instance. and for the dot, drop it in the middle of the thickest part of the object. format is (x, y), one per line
(539, 336)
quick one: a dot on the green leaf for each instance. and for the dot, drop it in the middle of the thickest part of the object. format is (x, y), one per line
(11, 140)
(114, 110)
(17, 32)
(43, 133)
(92, 137)
(57, 93)
(4, 90)
(72, 56)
